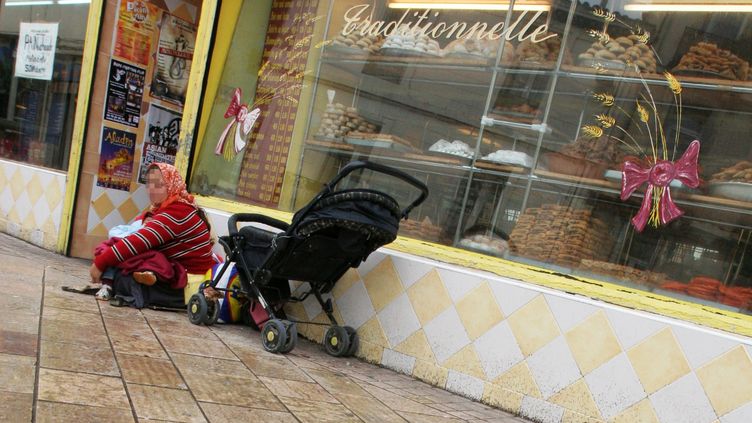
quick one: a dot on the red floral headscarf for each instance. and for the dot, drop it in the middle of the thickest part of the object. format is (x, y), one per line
(176, 190)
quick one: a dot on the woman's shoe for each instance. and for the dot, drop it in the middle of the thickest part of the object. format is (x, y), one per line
(104, 293)
(145, 278)
(117, 302)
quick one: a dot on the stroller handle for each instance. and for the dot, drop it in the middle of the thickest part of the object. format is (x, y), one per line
(232, 223)
(361, 164)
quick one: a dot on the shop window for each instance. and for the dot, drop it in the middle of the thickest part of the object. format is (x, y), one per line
(36, 110)
(522, 123)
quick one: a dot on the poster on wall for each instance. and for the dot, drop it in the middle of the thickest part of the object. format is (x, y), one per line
(161, 143)
(35, 54)
(137, 21)
(116, 159)
(125, 90)
(177, 39)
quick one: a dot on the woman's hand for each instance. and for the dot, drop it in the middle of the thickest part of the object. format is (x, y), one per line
(96, 274)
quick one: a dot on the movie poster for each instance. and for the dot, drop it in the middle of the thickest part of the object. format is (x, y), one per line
(177, 38)
(116, 159)
(161, 143)
(125, 90)
(137, 21)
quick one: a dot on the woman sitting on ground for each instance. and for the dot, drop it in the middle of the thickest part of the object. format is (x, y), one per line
(151, 266)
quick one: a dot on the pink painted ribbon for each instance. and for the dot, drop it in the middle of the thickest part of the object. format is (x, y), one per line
(660, 175)
(239, 113)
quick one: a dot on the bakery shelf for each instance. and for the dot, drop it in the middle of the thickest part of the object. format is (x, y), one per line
(495, 120)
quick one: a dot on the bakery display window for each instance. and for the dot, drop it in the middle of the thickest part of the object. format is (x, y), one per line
(37, 107)
(522, 127)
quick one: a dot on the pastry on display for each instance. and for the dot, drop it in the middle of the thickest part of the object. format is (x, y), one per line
(422, 229)
(405, 40)
(714, 290)
(561, 235)
(339, 120)
(510, 157)
(517, 110)
(622, 51)
(708, 57)
(601, 149)
(543, 52)
(455, 148)
(366, 43)
(485, 243)
(481, 48)
(740, 172)
(629, 273)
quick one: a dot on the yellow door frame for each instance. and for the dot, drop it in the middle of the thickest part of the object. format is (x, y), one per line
(91, 43)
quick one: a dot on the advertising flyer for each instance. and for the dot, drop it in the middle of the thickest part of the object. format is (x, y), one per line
(177, 39)
(125, 89)
(116, 159)
(35, 55)
(137, 21)
(161, 143)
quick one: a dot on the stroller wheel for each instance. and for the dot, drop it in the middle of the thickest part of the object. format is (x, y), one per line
(292, 337)
(336, 341)
(212, 313)
(274, 336)
(354, 341)
(197, 309)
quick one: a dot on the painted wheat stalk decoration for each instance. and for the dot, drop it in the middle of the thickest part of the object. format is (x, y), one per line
(657, 208)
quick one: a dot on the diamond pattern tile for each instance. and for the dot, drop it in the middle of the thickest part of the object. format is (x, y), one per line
(429, 297)
(683, 401)
(541, 411)
(466, 361)
(402, 363)
(553, 367)
(498, 350)
(465, 385)
(569, 312)
(640, 412)
(631, 327)
(102, 206)
(34, 189)
(410, 270)
(577, 397)
(615, 386)
(446, 335)
(458, 283)
(701, 346)
(383, 284)
(519, 379)
(479, 311)
(431, 373)
(128, 210)
(533, 325)
(727, 380)
(742, 414)
(593, 342)
(355, 305)
(658, 361)
(398, 320)
(416, 346)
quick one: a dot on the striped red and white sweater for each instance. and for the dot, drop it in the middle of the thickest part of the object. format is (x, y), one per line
(177, 231)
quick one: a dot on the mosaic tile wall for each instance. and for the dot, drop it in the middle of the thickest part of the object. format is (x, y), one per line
(548, 355)
(31, 203)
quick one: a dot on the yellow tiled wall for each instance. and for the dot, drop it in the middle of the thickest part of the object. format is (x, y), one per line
(31, 201)
(548, 355)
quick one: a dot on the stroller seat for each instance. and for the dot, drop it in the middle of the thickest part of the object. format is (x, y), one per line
(334, 232)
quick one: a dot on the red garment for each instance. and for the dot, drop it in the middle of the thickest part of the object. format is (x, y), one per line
(175, 230)
(154, 261)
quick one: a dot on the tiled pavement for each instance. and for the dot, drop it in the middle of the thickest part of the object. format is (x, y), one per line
(68, 357)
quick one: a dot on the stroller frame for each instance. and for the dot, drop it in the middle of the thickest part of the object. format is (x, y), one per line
(278, 334)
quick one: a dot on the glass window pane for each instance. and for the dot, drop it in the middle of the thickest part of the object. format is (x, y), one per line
(36, 115)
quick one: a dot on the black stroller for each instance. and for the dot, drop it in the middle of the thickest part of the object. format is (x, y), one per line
(337, 230)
